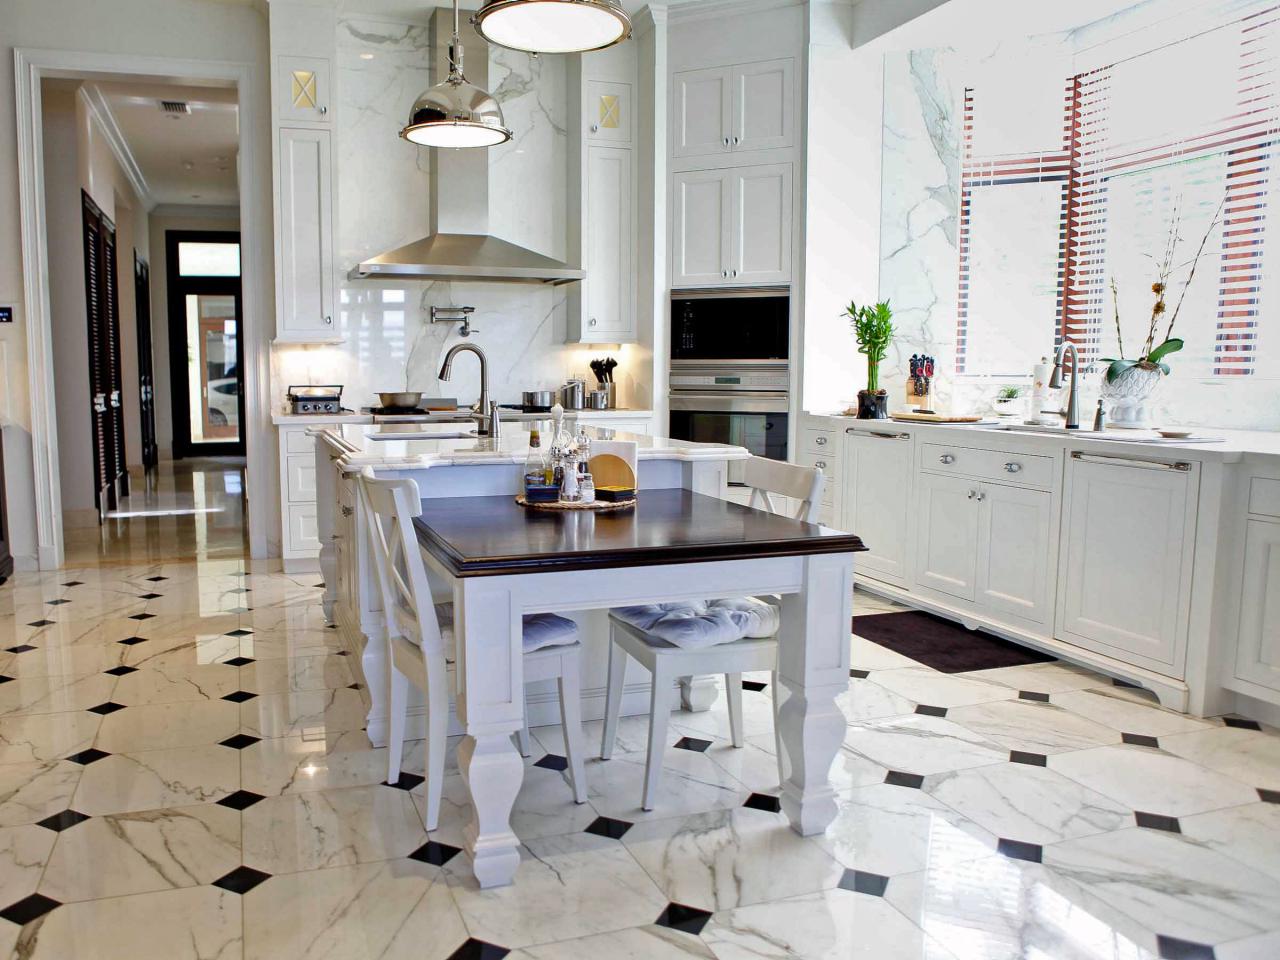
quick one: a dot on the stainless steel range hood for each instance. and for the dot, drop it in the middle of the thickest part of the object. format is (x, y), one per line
(460, 246)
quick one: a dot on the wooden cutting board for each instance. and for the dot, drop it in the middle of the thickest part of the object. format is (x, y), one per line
(933, 417)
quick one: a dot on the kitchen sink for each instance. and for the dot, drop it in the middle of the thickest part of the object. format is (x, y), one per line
(1121, 436)
(422, 435)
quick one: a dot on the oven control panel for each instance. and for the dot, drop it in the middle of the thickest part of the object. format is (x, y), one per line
(683, 380)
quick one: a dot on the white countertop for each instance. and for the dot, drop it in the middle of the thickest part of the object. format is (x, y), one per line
(510, 416)
(1228, 445)
(366, 450)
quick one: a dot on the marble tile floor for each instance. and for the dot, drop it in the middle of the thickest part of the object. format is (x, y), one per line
(184, 774)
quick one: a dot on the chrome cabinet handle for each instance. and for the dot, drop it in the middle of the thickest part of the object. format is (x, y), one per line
(820, 441)
(1013, 467)
(882, 436)
(1180, 466)
(946, 458)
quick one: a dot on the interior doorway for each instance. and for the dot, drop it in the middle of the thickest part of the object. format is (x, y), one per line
(146, 365)
(206, 347)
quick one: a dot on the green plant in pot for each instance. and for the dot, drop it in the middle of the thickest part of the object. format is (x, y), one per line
(873, 329)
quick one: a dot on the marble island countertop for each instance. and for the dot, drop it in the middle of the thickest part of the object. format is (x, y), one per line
(509, 416)
(393, 449)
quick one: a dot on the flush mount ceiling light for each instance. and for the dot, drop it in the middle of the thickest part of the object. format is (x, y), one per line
(455, 113)
(553, 26)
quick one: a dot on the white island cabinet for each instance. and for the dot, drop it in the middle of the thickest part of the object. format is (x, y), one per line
(1154, 562)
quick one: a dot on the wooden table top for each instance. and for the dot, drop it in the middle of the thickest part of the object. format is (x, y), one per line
(491, 536)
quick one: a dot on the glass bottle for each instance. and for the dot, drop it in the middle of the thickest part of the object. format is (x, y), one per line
(582, 443)
(535, 464)
(586, 489)
(569, 490)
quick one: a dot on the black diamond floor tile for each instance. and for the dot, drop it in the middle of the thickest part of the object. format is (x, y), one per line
(156, 579)
(150, 596)
(859, 674)
(859, 881)
(4, 679)
(20, 648)
(239, 661)
(436, 854)
(1240, 723)
(762, 801)
(241, 799)
(74, 583)
(142, 616)
(104, 708)
(239, 632)
(931, 711)
(62, 821)
(28, 908)
(1140, 740)
(354, 686)
(241, 880)
(1031, 759)
(609, 827)
(86, 757)
(121, 671)
(42, 623)
(755, 686)
(1171, 948)
(1268, 796)
(677, 916)
(407, 781)
(239, 741)
(552, 762)
(896, 778)
(1019, 850)
(474, 949)
(1157, 821)
(692, 743)
(57, 603)
(130, 641)
(1033, 695)
(239, 696)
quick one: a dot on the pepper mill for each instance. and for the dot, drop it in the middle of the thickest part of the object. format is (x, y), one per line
(1099, 418)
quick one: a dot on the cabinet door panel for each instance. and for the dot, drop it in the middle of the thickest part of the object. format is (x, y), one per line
(878, 499)
(701, 227)
(947, 542)
(1013, 551)
(302, 89)
(762, 105)
(1258, 654)
(306, 234)
(608, 112)
(610, 277)
(761, 224)
(701, 112)
(1127, 544)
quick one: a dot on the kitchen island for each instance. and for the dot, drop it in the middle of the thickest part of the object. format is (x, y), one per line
(682, 541)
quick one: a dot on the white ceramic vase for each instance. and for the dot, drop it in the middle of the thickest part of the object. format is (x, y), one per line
(1127, 397)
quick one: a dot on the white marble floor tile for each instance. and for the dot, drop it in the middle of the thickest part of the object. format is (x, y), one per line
(1263, 946)
(691, 783)
(1028, 803)
(633, 736)
(49, 736)
(277, 644)
(169, 682)
(153, 779)
(285, 675)
(392, 910)
(306, 713)
(1057, 677)
(164, 726)
(891, 830)
(294, 765)
(29, 792)
(921, 744)
(1129, 711)
(127, 853)
(1033, 727)
(544, 807)
(1250, 834)
(637, 943)
(23, 854)
(65, 661)
(832, 925)
(330, 828)
(39, 695)
(1151, 780)
(867, 700)
(201, 923)
(1250, 756)
(565, 888)
(923, 685)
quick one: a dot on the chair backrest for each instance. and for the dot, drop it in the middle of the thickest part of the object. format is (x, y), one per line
(388, 507)
(800, 483)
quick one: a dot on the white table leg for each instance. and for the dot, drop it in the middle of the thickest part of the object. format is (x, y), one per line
(490, 709)
(813, 668)
(697, 694)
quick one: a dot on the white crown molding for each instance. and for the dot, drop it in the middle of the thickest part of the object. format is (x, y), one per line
(687, 11)
(100, 113)
(650, 16)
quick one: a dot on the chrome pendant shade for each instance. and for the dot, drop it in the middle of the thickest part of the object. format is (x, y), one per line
(455, 113)
(553, 26)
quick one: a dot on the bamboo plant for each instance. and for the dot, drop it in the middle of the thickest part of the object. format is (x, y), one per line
(873, 329)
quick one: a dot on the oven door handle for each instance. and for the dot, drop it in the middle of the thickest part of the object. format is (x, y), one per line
(729, 402)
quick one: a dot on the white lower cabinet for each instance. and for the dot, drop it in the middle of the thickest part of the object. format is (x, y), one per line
(300, 537)
(947, 547)
(1128, 530)
(1014, 530)
(1258, 650)
(877, 500)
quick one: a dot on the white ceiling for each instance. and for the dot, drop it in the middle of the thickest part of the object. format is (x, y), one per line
(184, 158)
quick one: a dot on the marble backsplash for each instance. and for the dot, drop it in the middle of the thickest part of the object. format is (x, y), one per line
(383, 201)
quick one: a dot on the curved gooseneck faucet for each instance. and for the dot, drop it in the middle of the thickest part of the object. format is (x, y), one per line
(1055, 382)
(483, 414)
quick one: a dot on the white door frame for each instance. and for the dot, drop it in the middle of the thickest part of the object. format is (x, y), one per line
(250, 81)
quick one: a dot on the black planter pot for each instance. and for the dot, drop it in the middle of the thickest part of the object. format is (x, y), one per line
(873, 406)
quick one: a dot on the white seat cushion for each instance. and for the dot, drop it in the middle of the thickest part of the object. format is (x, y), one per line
(540, 629)
(762, 618)
(690, 626)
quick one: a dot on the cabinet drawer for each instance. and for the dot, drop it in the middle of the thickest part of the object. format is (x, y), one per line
(820, 442)
(297, 441)
(300, 478)
(303, 535)
(1264, 496)
(1027, 470)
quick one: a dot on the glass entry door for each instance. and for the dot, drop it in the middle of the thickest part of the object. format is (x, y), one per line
(205, 343)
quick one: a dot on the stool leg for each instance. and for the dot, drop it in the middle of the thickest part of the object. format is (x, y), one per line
(397, 706)
(659, 714)
(613, 696)
(776, 690)
(437, 743)
(570, 685)
(733, 694)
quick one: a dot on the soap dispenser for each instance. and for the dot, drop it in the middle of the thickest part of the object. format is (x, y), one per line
(1100, 417)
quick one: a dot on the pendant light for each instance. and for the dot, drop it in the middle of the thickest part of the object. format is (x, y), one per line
(455, 113)
(553, 26)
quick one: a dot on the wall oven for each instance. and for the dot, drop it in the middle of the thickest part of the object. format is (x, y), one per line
(729, 374)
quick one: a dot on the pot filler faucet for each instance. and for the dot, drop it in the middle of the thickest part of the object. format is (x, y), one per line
(486, 414)
(1055, 382)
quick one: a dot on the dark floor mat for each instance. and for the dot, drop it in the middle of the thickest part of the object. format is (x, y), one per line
(942, 644)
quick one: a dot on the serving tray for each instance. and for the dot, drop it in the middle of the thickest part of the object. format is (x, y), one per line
(598, 505)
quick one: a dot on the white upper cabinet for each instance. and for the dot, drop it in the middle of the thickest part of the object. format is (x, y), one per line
(761, 228)
(762, 105)
(304, 272)
(702, 226)
(610, 285)
(702, 111)
(608, 112)
(302, 89)
(746, 106)
(1128, 535)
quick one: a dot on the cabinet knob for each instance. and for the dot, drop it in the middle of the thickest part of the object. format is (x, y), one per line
(820, 464)
(324, 111)
(820, 441)
(736, 141)
(980, 496)
(592, 321)
(1013, 467)
(329, 321)
(733, 273)
(725, 274)
(973, 494)
(726, 141)
(595, 128)
(947, 458)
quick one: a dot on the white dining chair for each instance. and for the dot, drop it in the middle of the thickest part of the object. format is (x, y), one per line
(420, 642)
(667, 663)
